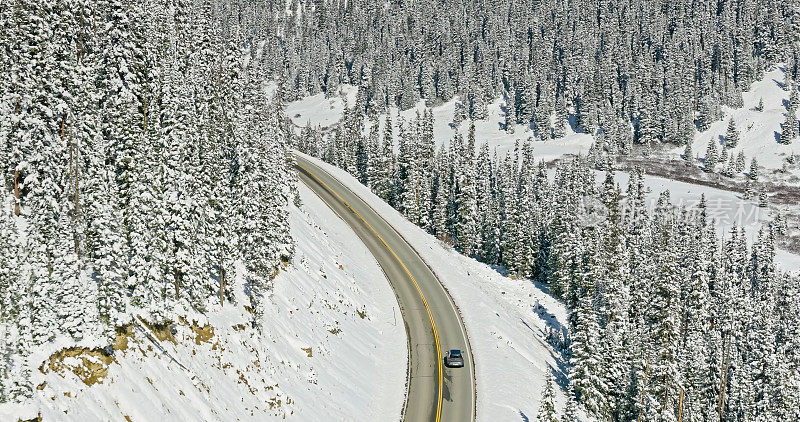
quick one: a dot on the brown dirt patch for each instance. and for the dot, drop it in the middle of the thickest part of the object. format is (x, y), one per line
(203, 334)
(90, 365)
(121, 337)
(161, 331)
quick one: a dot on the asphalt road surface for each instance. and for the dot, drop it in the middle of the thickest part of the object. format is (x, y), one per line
(432, 324)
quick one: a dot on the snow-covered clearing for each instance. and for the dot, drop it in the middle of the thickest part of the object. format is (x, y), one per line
(505, 327)
(759, 131)
(331, 349)
(317, 110)
(491, 130)
(725, 207)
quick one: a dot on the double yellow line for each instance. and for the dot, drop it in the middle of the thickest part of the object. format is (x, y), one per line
(416, 285)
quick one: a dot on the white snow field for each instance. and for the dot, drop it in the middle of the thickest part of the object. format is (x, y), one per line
(725, 207)
(332, 300)
(759, 131)
(316, 110)
(505, 327)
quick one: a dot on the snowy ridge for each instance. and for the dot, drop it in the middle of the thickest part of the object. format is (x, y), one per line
(356, 370)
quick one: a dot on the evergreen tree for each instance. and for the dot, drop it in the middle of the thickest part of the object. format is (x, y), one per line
(711, 156)
(753, 173)
(688, 154)
(731, 135)
(571, 408)
(510, 117)
(790, 128)
(589, 388)
(547, 407)
(740, 162)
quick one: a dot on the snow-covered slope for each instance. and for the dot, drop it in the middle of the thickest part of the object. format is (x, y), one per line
(759, 131)
(507, 329)
(317, 110)
(725, 207)
(331, 349)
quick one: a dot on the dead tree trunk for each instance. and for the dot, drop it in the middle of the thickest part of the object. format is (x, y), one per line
(77, 190)
(16, 172)
(644, 387)
(221, 285)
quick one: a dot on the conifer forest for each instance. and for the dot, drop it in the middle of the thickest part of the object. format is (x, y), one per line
(147, 162)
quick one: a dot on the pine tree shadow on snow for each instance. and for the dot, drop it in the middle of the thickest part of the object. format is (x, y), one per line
(573, 123)
(560, 356)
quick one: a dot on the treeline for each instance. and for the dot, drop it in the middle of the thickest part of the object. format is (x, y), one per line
(668, 320)
(652, 68)
(141, 159)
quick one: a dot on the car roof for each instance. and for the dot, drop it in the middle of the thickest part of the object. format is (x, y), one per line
(455, 352)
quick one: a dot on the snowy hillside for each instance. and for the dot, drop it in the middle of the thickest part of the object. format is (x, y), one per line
(759, 129)
(319, 111)
(331, 349)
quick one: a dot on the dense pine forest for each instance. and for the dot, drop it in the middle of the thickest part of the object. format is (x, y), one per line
(640, 71)
(141, 159)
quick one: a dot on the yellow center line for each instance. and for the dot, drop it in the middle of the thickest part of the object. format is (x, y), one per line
(425, 301)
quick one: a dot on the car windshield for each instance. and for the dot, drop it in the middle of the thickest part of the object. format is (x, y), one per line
(455, 353)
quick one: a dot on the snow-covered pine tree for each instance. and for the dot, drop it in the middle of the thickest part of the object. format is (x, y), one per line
(571, 408)
(731, 135)
(464, 190)
(547, 406)
(478, 106)
(688, 154)
(665, 333)
(384, 163)
(510, 116)
(584, 374)
(740, 162)
(711, 156)
(789, 127)
(753, 173)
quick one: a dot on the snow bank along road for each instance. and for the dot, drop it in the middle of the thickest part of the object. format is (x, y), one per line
(432, 323)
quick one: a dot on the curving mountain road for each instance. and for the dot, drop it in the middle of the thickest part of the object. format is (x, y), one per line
(433, 326)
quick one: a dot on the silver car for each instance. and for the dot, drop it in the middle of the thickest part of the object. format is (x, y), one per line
(453, 359)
